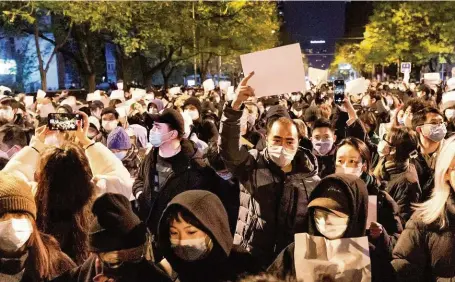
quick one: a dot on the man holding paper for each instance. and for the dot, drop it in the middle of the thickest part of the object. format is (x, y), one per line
(275, 184)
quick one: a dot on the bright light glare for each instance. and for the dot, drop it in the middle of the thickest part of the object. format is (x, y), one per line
(317, 41)
(7, 67)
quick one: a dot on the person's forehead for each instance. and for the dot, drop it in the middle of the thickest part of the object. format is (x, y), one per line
(109, 116)
(348, 151)
(322, 130)
(433, 116)
(161, 124)
(285, 130)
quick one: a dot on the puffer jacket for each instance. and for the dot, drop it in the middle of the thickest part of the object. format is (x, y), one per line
(425, 252)
(273, 204)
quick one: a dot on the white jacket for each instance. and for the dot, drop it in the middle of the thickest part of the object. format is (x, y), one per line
(108, 171)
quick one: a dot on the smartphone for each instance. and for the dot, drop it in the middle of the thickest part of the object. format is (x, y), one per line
(339, 88)
(63, 121)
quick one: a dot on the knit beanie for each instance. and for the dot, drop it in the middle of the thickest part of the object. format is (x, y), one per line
(118, 139)
(15, 195)
(194, 102)
(116, 227)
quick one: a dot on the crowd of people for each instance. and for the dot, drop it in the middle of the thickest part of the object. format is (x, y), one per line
(193, 186)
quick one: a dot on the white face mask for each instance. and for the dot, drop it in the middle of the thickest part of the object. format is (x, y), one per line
(109, 125)
(7, 114)
(384, 148)
(280, 156)
(120, 155)
(194, 114)
(450, 113)
(157, 139)
(189, 250)
(329, 224)
(14, 233)
(356, 171)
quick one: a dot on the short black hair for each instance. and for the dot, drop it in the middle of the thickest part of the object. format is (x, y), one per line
(110, 110)
(420, 117)
(96, 105)
(13, 135)
(360, 146)
(322, 122)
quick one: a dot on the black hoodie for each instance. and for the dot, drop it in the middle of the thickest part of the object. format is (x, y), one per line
(357, 194)
(225, 262)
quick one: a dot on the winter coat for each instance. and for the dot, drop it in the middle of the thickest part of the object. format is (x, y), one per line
(137, 272)
(273, 204)
(388, 215)
(405, 190)
(112, 176)
(187, 170)
(326, 164)
(357, 195)
(225, 262)
(23, 270)
(425, 252)
(425, 174)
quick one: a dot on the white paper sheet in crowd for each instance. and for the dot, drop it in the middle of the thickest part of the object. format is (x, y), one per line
(432, 79)
(356, 86)
(175, 90)
(224, 85)
(118, 94)
(70, 101)
(46, 109)
(277, 71)
(28, 100)
(340, 260)
(138, 93)
(94, 96)
(317, 76)
(40, 94)
(209, 85)
(230, 95)
(372, 210)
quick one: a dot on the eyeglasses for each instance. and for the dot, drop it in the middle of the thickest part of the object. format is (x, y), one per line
(436, 123)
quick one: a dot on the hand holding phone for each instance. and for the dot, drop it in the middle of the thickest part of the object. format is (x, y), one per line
(63, 121)
(339, 91)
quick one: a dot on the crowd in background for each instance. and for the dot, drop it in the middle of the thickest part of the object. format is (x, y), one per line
(203, 186)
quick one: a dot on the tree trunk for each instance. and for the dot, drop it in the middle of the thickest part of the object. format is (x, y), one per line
(91, 80)
(42, 71)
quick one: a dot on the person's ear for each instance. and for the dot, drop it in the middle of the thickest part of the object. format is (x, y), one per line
(364, 167)
(334, 138)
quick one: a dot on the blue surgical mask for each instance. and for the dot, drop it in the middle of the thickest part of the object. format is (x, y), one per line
(120, 155)
(157, 139)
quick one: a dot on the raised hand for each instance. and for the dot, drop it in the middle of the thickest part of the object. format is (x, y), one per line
(244, 92)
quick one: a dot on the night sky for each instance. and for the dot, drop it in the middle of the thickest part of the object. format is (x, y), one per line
(318, 20)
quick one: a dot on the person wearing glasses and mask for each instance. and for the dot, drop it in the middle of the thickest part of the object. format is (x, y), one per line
(173, 166)
(431, 130)
(275, 184)
(397, 149)
(120, 246)
(197, 243)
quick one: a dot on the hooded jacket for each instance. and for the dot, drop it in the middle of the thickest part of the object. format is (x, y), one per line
(225, 262)
(357, 194)
(187, 170)
(273, 204)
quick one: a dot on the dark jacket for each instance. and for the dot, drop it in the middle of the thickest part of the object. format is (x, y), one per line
(425, 174)
(326, 164)
(425, 252)
(273, 204)
(23, 270)
(225, 262)
(388, 215)
(405, 190)
(205, 131)
(137, 272)
(187, 170)
(357, 195)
